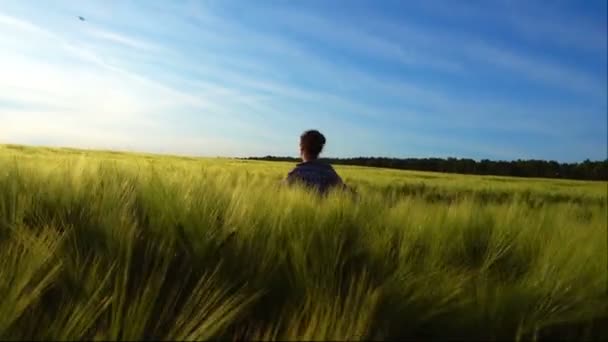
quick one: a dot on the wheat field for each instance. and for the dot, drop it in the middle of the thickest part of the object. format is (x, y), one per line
(101, 245)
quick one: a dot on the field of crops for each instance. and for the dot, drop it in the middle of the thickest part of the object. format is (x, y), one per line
(114, 246)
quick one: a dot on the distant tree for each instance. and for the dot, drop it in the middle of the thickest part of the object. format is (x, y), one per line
(587, 170)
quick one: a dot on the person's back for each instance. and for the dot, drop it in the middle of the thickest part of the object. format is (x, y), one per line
(316, 175)
(313, 173)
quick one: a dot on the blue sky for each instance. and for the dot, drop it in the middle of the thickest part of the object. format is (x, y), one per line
(477, 79)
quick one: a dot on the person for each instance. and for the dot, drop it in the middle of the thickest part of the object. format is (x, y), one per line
(311, 172)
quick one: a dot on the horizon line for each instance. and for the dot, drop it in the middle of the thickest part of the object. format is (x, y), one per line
(199, 156)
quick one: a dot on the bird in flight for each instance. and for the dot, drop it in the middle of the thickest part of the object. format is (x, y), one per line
(81, 18)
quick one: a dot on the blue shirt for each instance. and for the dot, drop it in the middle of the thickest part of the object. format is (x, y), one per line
(316, 175)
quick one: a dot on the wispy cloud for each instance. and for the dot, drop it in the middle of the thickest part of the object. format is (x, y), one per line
(546, 72)
(437, 49)
(121, 39)
(16, 23)
(90, 103)
(209, 79)
(543, 23)
(357, 39)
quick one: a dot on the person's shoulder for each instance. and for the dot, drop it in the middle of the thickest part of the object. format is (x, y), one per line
(298, 166)
(294, 169)
(306, 165)
(314, 166)
(318, 164)
(329, 167)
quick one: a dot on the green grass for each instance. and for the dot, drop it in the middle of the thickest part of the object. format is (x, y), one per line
(104, 245)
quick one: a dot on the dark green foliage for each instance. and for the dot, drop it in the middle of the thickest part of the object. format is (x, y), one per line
(588, 170)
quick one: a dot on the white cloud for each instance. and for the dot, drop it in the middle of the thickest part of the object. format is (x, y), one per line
(355, 37)
(121, 39)
(19, 24)
(92, 102)
(51, 128)
(202, 89)
(544, 71)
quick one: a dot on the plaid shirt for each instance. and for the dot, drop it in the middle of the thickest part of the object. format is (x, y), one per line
(315, 175)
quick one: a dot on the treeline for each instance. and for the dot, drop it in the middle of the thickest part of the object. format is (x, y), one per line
(586, 170)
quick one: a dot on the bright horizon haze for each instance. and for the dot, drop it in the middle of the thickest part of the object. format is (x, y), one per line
(467, 79)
